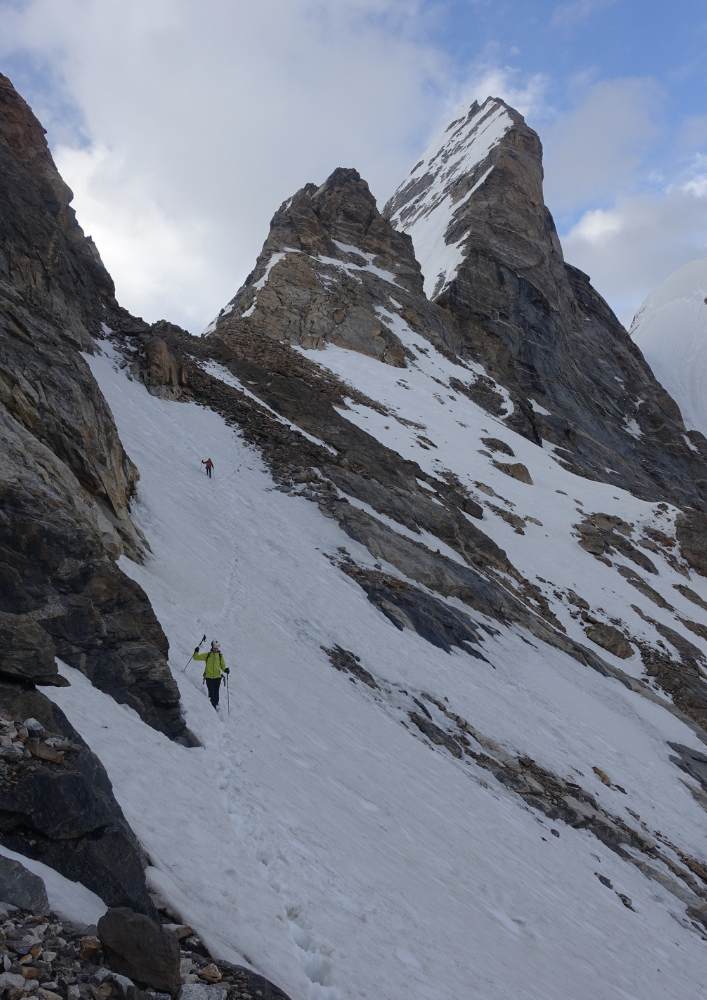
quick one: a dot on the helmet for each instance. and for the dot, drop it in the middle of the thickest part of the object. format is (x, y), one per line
(215, 645)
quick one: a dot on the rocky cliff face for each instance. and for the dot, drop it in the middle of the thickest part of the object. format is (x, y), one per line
(66, 480)
(492, 260)
(65, 489)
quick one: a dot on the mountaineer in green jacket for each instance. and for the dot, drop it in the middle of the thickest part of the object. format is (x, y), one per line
(214, 669)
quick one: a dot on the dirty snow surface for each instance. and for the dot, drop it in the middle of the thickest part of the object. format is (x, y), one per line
(671, 330)
(315, 837)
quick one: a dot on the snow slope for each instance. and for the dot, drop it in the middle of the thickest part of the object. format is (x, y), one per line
(671, 330)
(427, 407)
(313, 836)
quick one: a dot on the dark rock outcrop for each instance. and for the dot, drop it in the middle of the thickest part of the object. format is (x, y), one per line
(165, 375)
(21, 888)
(63, 812)
(610, 639)
(29, 655)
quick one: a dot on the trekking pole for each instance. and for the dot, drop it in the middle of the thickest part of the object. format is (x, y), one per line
(201, 642)
(228, 696)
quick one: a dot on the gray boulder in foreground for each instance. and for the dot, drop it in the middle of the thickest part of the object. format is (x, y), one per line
(137, 947)
(22, 888)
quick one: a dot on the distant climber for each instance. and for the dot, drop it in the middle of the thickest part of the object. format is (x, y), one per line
(214, 670)
(209, 466)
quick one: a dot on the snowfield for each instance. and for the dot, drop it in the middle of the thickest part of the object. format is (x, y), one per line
(316, 838)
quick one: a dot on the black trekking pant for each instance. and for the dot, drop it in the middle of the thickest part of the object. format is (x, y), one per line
(208, 471)
(213, 684)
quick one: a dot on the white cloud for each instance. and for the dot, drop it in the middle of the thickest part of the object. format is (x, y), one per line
(630, 249)
(202, 119)
(526, 94)
(595, 149)
(574, 12)
(153, 256)
(597, 225)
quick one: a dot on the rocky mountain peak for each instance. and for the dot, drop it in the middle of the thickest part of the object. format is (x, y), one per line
(492, 261)
(338, 218)
(488, 153)
(330, 268)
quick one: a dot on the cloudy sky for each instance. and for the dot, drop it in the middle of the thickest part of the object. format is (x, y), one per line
(182, 124)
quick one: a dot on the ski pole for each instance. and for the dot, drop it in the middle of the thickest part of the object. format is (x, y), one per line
(228, 695)
(201, 641)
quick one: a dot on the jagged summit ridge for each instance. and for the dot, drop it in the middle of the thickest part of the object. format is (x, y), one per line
(330, 263)
(428, 204)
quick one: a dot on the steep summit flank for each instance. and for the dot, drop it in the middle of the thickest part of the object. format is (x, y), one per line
(430, 204)
(671, 330)
(492, 260)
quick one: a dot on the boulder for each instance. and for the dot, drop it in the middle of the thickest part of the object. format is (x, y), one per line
(210, 973)
(11, 981)
(22, 888)
(181, 930)
(516, 470)
(609, 638)
(496, 444)
(138, 947)
(27, 653)
(164, 373)
(89, 947)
